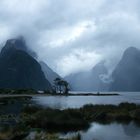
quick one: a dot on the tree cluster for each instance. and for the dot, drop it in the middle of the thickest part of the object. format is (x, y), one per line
(61, 86)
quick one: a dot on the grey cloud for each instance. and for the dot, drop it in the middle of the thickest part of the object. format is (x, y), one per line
(48, 27)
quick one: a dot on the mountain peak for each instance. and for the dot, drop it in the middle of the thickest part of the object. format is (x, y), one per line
(126, 76)
(19, 70)
(131, 51)
(131, 48)
(14, 44)
(100, 68)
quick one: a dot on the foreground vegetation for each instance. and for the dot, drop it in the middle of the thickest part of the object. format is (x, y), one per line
(17, 91)
(46, 123)
(34, 118)
(78, 118)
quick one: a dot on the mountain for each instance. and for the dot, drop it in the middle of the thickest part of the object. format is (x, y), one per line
(91, 80)
(49, 73)
(18, 44)
(18, 68)
(126, 76)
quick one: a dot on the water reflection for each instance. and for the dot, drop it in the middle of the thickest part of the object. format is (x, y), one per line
(10, 109)
(131, 129)
(58, 102)
(113, 131)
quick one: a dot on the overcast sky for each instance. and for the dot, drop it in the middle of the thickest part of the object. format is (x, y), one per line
(73, 35)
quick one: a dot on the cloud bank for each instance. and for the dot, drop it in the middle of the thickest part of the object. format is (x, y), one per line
(73, 35)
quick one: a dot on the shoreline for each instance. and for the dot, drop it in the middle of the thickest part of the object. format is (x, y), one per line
(70, 94)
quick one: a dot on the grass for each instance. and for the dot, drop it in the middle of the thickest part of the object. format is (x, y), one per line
(124, 111)
(51, 136)
(54, 120)
(10, 134)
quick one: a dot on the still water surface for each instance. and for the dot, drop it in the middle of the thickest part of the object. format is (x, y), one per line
(113, 131)
(63, 102)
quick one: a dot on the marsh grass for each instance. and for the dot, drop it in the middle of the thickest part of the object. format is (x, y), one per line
(54, 120)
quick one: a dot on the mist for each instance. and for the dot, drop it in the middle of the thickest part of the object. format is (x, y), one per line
(72, 36)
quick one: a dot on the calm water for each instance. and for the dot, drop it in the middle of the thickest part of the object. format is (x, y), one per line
(62, 102)
(113, 131)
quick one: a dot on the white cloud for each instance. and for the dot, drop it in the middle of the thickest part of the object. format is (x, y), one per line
(65, 35)
(79, 60)
(59, 29)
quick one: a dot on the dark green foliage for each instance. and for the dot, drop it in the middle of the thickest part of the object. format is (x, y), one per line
(135, 114)
(31, 109)
(61, 86)
(122, 112)
(24, 91)
(11, 100)
(128, 106)
(72, 119)
(54, 119)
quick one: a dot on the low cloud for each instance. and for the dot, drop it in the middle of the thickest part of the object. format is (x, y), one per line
(72, 36)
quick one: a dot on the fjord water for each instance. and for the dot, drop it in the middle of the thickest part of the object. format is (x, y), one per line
(63, 102)
(96, 131)
(112, 131)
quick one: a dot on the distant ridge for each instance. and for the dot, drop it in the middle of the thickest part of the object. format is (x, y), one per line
(89, 80)
(49, 73)
(126, 76)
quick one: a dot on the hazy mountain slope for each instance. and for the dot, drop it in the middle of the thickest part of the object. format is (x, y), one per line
(89, 80)
(126, 76)
(49, 73)
(20, 70)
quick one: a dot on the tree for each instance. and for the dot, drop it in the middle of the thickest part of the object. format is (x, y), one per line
(56, 85)
(65, 85)
(61, 86)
